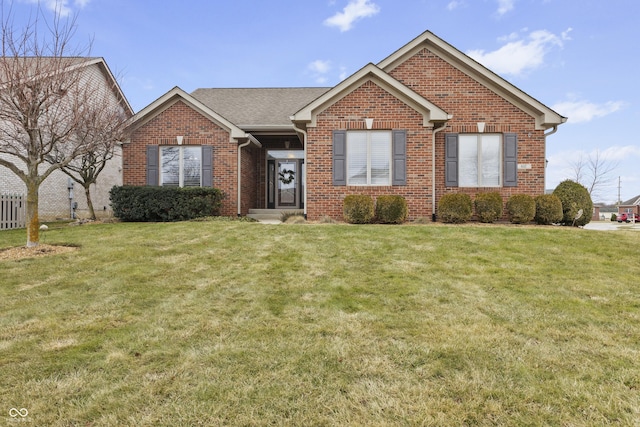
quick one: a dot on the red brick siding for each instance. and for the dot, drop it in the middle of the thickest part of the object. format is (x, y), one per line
(369, 100)
(470, 102)
(453, 91)
(181, 120)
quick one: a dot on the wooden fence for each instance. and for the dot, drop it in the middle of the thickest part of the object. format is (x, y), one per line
(13, 209)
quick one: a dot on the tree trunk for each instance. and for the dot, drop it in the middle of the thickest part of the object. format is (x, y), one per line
(33, 222)
(87, 192)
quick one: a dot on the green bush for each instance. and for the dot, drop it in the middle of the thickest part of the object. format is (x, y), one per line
(152, 204)
(488, 206)
(391, 209)
(358, 209)
(574, 197)
(521, 208)
(455, 208)
(548, 209)
(614, 217)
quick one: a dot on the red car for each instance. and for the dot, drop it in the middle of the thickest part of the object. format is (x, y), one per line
(625, 217)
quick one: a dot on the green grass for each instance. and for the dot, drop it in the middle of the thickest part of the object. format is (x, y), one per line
(231, 323)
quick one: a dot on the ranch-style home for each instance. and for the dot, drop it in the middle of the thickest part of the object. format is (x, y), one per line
(426, 121)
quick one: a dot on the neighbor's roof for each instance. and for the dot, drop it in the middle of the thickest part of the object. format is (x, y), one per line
(632, 202)
(253, 108)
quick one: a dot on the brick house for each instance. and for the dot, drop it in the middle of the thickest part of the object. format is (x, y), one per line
(55, 199)
(426, 121)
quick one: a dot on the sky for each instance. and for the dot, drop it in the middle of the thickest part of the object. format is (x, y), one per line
(579, 57)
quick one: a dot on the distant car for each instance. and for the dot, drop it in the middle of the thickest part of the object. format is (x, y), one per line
(625, 217)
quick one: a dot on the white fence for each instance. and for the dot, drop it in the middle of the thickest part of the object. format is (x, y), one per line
(13, 209)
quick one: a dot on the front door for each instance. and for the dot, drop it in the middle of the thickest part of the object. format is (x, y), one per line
(285, 179)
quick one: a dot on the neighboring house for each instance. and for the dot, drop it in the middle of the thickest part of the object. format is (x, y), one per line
(426, 121)
(630, 206)
(54, 195)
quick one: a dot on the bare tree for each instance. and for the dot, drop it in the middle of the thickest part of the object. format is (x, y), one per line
(47, 99)
(596, 172)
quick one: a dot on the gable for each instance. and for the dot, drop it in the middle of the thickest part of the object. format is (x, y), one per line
(178, 95)
(370, 73)
(430, 44)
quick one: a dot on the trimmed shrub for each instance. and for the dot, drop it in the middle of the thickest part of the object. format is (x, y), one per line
(488, 206)
(358, 209)
(391, 209)
(155, 204)
(614, 217)
(548, 209)
(521, 208)
(574, 197)
(455, 208)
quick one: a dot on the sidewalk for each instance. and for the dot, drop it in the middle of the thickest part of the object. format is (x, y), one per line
(612, 226)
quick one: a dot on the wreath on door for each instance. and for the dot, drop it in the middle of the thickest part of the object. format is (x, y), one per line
(287, 176)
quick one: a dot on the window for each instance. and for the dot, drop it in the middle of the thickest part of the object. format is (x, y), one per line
(480, 158)
(369, 158)
(180, 166)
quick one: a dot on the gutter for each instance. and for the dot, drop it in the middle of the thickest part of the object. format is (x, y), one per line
(433, 168)
(250, 139)
(304, 146)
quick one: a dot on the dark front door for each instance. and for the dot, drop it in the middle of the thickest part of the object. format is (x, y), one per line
(285, 180)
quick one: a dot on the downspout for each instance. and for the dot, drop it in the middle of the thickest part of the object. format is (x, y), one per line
(240, 147)
(304, 146)
(433, 169)
(250, 139)
(554, 130)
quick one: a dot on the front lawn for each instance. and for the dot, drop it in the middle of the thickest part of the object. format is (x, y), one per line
(230, 323)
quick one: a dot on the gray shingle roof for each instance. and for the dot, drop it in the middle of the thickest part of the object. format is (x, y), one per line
(632, 202)
(247, 107)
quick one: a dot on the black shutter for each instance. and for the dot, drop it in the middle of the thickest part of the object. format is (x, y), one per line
(451, 159)
(207, 166)
(399, 144)
(153, 153)
(510, 160)
(339, 157)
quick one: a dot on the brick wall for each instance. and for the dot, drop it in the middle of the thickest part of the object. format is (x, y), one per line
(181, 120)
(453, 91)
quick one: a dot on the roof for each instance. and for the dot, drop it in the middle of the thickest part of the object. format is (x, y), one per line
(45, 65)
(176, 94)
(635, 201)
(431, 113)
(255, 108)
(545, 116)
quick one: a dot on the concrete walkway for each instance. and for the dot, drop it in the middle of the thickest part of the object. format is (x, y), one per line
(612, 226)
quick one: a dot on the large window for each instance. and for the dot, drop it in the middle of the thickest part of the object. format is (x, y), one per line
(480, 160)
(369, 158)
(181, 166)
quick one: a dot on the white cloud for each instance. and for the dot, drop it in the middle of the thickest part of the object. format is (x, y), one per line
(60, 7)
(453, 5)
(355, 10)
(319, 70)
(505, 6)
(520, 55)
(580, 111)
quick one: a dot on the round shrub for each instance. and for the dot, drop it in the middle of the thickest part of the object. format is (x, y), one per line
(358, 209)
(488, 206)
(574, 197)
(614, 217)
(455, 208)
(521, 208)
(391, 209)
(548, 209)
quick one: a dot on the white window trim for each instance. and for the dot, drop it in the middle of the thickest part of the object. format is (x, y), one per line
(181, 149)
(368, 133)
(480, 183)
